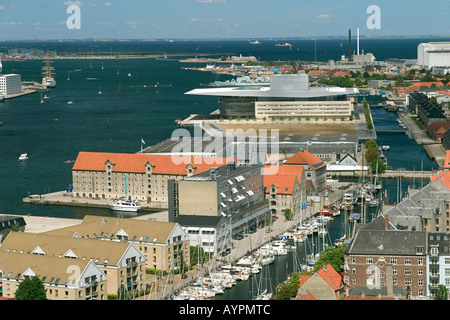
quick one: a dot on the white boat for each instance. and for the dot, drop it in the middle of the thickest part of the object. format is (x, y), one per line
(23, 157)
(48, 80)
(373, 203)
(385, 148)
(125, 205)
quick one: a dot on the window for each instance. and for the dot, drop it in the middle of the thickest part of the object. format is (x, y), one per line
(408, 272)
(408, 260)
(393, 260)
(434, 251)
(369, 260)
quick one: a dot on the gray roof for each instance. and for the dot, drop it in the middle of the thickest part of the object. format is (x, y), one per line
(379, 223)
(377, 242)
(375, 291)
(199, 221)
(292, 143)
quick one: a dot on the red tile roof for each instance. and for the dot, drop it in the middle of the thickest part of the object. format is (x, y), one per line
(427, 84)
(443, 176)
(135, 163)
(308, 296)
(329, 275)
(342, 74)
(285, 184)
(284, 171)
(447, 160)
(304, 157)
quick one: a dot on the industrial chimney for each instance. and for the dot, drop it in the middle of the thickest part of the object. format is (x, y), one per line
(350, 45)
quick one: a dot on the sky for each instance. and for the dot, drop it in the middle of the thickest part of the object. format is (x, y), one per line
(194, 19)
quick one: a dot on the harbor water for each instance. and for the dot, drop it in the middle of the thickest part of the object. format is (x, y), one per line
(142, 99)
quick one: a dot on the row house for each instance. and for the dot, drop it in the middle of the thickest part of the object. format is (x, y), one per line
(121, 262)
(165, 245)
(63, 279)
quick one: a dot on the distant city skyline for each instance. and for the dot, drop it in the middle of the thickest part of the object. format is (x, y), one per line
(215, 19)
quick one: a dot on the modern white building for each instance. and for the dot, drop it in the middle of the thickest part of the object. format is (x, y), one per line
(10, 84)
(271, 109)
(433, 54)
(237, 101)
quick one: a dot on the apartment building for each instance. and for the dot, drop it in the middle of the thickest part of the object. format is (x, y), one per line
(285, 188)
(232, 191)
(424, 209)
(438, 261)
(384, 257)
(165, 245)
(63, 279)
(121, 262)
(315, 169)
(10, 84)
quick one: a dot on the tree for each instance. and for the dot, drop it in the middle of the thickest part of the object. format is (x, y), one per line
(288, 214)
(14, 228)
(31, 289)
(371, 155)
(288, 289)
(333, 256)
(371, 145)
(122, 293)
(442, 293)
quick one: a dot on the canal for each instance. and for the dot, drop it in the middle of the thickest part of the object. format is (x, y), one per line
(404, 153)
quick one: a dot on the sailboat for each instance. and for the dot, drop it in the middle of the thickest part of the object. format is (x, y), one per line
(100, 90)
(48, 80)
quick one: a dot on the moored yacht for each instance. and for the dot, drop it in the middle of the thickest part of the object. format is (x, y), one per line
(125, 205)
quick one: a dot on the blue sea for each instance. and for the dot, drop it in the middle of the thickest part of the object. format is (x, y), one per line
(132, 108)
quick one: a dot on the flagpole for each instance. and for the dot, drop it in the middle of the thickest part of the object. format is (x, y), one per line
(142, 142)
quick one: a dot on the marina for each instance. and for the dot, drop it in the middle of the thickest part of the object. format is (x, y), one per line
(258, 262)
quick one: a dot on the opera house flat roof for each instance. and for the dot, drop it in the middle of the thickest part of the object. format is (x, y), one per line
(265, 92)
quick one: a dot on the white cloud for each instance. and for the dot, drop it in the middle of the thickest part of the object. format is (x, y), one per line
(80, 4)
(324, 16)
(107, 4)
(13, 23)
(1, 8)
(212, 1)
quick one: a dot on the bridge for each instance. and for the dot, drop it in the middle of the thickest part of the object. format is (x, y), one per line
(408, 174)
(402, 131)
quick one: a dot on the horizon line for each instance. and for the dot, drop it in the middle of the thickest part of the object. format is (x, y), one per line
(331, 37)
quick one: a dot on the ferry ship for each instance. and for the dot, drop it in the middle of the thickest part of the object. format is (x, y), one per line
(283, 45)
(48, 80)
(255, 42)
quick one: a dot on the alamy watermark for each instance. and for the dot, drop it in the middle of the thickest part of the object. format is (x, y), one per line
(250, 146)
(74, 20)
(374, 20)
